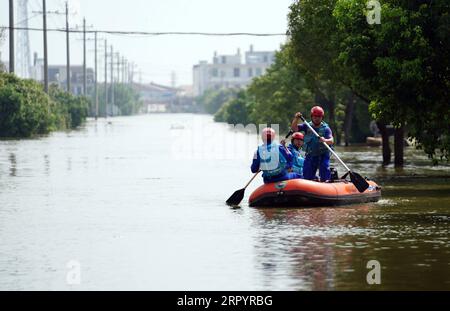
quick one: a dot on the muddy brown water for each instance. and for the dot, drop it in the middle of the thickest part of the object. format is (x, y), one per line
(138, 203)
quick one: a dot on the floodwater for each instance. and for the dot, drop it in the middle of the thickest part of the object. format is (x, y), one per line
(137, 203)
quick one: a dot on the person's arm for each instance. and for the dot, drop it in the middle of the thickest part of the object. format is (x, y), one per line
(256, 163)
(294, 124)
(286, 153)
(328, 139)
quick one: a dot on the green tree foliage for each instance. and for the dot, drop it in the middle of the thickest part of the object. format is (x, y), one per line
(212, 100)
(399, 66)
(274, 97)
(26, 110)
(280, 92)
(360, 127)
(236, 110)
(402, 65)
(126, 100)
(73, 109)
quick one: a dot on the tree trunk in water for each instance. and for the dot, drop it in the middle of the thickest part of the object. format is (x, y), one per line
(333, 126)
(386, 148)
(348, 119)
(398, 146)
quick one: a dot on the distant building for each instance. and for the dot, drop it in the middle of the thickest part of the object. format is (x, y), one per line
(155, 97)
(185, 100)
(228, 71)
(186, 91)
(159, 98)
(57, 74)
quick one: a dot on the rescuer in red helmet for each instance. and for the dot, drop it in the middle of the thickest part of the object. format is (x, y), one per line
(295, 147)
(317, 155)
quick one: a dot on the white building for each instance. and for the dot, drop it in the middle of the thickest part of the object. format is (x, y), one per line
(228, 71)
(155, 97)
(57, 74)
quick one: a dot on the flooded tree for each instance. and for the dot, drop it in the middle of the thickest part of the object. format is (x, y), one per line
(398, 66)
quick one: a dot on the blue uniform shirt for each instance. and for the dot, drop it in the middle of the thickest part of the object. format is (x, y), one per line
(297, 159)
(317, 157)
(304, 128)
(257, 161)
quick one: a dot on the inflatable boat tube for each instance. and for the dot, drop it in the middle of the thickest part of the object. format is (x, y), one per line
(304, 193)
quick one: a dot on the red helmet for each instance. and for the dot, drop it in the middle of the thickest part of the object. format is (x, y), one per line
(268, 134)
(317, 111)
(298, 135)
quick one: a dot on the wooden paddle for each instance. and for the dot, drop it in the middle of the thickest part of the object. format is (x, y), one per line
(360, 182)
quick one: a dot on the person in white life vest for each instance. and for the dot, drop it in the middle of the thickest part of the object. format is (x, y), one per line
(272, 159)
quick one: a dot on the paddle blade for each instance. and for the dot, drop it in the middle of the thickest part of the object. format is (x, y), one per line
(236, 198)
(360, 182)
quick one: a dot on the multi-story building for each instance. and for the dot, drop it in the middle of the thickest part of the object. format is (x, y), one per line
(57, 74)
(228, 71)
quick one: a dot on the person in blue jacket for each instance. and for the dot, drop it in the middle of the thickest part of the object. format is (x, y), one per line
(295, 147)
(272, 159)
(317, 155)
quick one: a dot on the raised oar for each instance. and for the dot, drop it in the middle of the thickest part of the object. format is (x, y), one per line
(360, 182)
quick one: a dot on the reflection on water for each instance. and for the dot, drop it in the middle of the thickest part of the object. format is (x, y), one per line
(303, 245)
(12, 166)
(113, 197)
(324, 249)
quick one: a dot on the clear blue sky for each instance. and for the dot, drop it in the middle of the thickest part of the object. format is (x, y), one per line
(158, 56)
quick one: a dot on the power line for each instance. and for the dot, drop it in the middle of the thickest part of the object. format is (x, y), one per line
(145, 33)
(27, 19)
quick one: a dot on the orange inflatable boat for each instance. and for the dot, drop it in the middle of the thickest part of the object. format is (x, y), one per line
(301, 192)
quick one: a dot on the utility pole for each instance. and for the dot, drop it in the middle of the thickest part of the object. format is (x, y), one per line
(44, 28)
(68, 77)
(106, 79)
(11, 37)
(44, 9)
(96, 78)
(132, 72)
(84, 59)
(124, 70)
(118, 68)
(112, 80)
(128, 73)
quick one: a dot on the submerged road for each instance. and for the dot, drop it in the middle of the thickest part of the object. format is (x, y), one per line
(137, 203)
